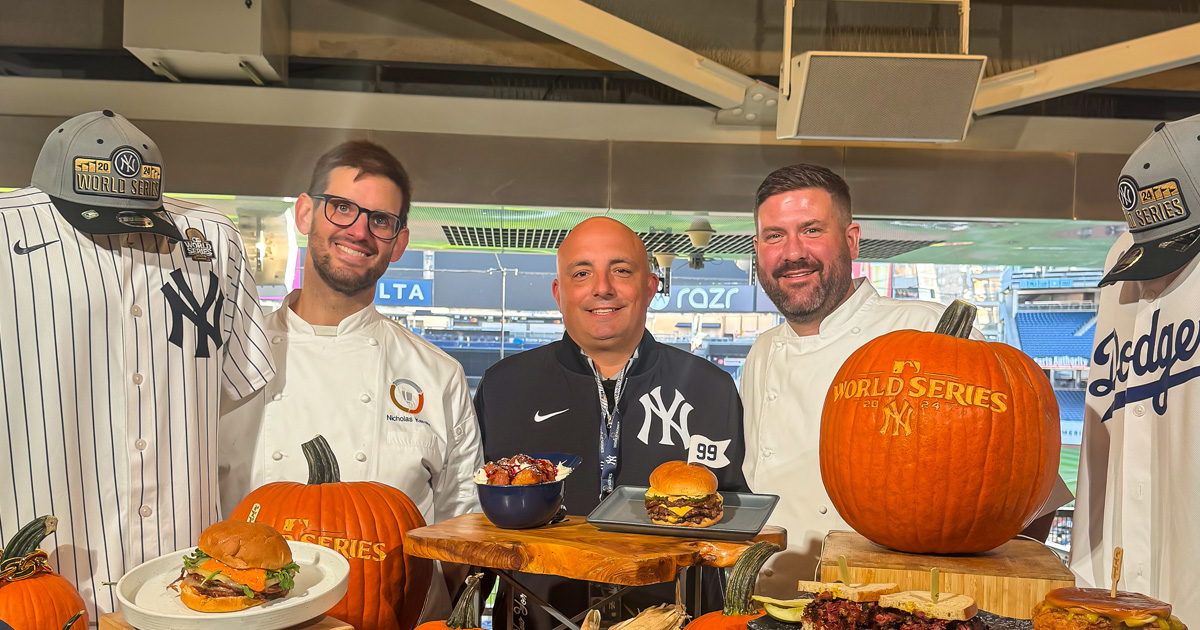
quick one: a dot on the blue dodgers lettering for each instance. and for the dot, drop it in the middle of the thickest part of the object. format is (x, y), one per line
(1156, 351)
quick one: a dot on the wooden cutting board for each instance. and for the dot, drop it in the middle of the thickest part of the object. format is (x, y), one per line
(575, 549)
(1007, 581)
(115, 621)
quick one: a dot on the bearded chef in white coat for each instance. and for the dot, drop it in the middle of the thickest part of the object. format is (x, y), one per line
(394, 408)
(805, 242)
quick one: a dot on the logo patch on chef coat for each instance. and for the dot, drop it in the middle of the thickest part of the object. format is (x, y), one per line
(408, 397)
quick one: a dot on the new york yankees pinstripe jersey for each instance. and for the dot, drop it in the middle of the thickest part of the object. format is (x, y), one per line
(113, 353)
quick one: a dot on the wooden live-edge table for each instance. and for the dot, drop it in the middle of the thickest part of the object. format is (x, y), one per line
(577, 550)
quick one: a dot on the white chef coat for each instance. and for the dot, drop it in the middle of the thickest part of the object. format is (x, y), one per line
(394, 408)
(784, 382)
(1139, 469)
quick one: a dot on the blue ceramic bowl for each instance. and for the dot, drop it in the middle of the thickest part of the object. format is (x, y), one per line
(523, 507)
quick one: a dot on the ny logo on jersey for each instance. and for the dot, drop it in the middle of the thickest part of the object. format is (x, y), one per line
(197, 313)
(653, 404)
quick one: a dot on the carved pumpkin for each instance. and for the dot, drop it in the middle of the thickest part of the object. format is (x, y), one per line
(465, 615)
(738, 608)
(32, 596)
(936, 443)
(366, 522)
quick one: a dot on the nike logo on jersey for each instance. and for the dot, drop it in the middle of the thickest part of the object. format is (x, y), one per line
(538, 417)
(21, 251)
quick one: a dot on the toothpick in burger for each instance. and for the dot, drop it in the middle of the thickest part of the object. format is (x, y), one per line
(1075, 608)
(684, 495)
(236, 565)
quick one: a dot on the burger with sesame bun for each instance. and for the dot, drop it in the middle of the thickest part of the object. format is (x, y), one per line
(683, 494)
(236, 565)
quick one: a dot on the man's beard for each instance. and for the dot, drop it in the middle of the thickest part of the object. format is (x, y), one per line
(802, 307)
(341, 280)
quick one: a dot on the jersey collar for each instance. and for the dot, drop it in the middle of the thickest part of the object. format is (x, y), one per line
(571, 356)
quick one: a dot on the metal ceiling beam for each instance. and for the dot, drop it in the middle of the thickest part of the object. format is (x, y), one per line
(605, 35)
(1094, 68)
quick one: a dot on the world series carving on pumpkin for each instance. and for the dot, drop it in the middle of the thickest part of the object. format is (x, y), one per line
(932, 442)
(366, 522)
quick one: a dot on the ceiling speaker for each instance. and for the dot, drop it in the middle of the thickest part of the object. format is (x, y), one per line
(880, 97)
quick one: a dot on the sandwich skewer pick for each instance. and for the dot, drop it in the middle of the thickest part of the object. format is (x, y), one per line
(1118, 555)
(844, 570)
(933, 584)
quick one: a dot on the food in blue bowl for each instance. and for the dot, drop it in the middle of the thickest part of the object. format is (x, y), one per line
(524, 491)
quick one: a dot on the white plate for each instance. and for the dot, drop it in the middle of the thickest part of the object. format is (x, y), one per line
(148, 604)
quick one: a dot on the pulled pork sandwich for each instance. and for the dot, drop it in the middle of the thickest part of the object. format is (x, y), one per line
(839, 606)
(880, 606)
(236, 565)
(684, 495)
(916, 610)
(1094, 609)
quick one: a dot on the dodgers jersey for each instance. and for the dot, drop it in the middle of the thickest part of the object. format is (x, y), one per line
(1139, 469)
(113, 351)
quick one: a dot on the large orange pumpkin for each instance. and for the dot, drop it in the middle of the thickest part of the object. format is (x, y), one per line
(932, 442)
(738, 610)
(32, 596)
(366, 522)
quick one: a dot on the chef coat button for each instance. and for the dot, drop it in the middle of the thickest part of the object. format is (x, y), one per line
(778, 344)
(766, 452)
(276, 456)
(360, 456)
(822, 509)
(1139, 410)
(771, 396)
(856, 330)
(136, 310)
(365, 398)
(140, 445)
(145, 511)
(277, 397)
(137, 379)
(372, 342)
(768, 572)
(1150, 295)
(276, 339)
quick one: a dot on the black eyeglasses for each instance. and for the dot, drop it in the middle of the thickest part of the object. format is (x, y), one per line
(342, 212)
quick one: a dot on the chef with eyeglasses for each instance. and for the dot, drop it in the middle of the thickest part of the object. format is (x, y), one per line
(393, 407)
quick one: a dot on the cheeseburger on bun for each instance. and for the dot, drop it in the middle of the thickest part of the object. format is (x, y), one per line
(236, 565)
(1093, 609)
(684, 495)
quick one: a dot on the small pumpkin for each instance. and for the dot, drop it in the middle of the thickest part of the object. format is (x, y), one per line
(32, 595)
(465, 615)
(932, 442)
(366, 522)
(738, 609)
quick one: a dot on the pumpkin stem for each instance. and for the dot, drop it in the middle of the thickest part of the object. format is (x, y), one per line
(743, 578)
(322, 464)
(25, 542)
(72, 621)
(957, 321)
(466, 613)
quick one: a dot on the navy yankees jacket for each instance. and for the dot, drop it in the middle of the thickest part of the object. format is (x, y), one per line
(547, 400)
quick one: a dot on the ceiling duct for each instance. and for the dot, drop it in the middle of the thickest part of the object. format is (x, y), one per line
(878, 97)
(183, 40)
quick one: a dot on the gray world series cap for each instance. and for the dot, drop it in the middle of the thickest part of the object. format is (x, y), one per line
(104, 176)
(1159, 191)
